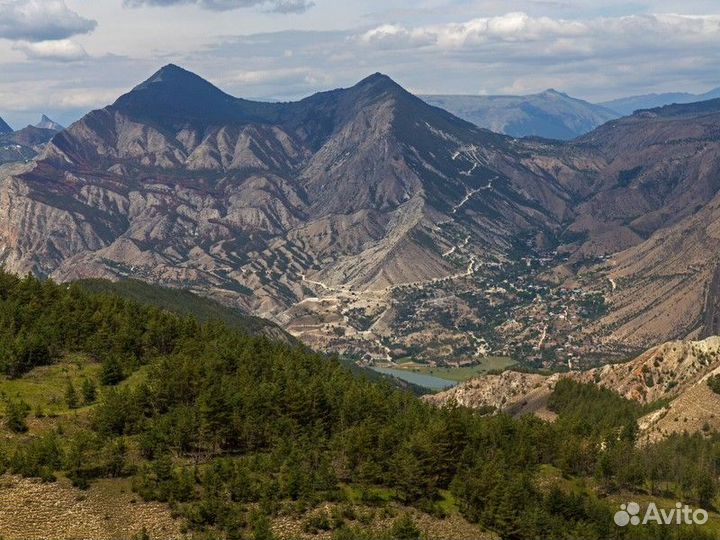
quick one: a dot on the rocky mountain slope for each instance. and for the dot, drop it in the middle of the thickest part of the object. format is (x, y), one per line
(550, 114)
(367, 222)
(267, 205)
(663, 284)
(675, 372)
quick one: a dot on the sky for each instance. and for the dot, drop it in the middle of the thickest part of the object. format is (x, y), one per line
(66, 57)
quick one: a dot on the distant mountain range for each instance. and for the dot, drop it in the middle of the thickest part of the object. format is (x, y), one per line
(368, 222)
(550, 114)
(628, 105)
(23, 145)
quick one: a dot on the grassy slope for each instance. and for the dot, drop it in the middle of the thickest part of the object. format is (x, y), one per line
(44, 387)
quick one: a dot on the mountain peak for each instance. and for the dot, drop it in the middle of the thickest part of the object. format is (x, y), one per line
(172, 73)
(378, 86)
(379, 81)
(553, 92)
(174, 97)
(4, 128)
(48, 123)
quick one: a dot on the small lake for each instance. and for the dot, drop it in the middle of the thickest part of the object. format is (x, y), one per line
(426, 381)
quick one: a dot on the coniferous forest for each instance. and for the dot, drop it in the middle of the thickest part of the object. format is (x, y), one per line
(233, 430)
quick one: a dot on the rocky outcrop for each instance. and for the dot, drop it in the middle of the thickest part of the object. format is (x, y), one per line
(675, 372)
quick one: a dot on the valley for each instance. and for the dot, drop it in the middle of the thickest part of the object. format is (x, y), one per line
(459, 320)
(457, 243)
(359, 270)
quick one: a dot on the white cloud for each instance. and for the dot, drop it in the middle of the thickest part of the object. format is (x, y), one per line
(390, 36)
(588, 48)
(40, 20)
(63, 50)
(558, 34)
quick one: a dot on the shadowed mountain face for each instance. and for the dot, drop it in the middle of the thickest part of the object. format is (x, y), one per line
(362, 219)
(4, 128)
(550, 114)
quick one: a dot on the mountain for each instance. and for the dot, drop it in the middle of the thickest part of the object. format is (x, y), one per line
(4, 128)
(659, 212)
(23, 145)
(628, 105)
(47, 123)
(367, 222)
(674, 376)
(550, 114)
(266, 206)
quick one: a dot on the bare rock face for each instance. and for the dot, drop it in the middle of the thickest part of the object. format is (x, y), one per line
(49, 124)
(507, 391)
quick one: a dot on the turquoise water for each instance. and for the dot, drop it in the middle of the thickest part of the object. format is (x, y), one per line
(426, 381)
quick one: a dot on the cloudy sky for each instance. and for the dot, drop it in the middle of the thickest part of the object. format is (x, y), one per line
(64, 57)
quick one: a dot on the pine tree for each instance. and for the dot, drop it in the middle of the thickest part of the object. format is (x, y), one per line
(405, 528)
(89, 392)
(16, 412)
(71, 398)
(262, 529)
(112, 372)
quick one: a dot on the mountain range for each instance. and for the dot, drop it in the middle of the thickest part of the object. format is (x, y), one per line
(628, 105)
(23, 145)
(368, 222)
(550, 114)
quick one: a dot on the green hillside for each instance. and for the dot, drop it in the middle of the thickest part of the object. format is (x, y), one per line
(242, 436)
(185, 303)
(204, 309)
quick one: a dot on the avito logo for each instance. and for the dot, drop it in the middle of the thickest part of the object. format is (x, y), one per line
(682, 514)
